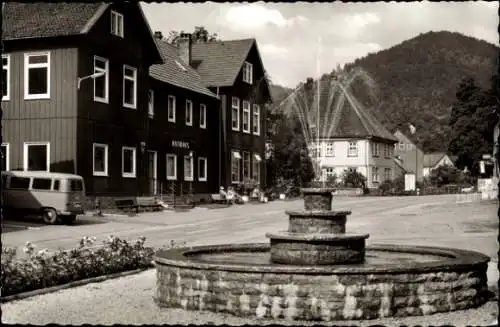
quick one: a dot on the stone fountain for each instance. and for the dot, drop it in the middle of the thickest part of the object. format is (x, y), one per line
(316, 271)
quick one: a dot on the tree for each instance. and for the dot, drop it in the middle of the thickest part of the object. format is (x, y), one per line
(472, 121)
(199, 35)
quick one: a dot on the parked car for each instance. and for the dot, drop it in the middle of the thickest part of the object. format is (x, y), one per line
(57, 197)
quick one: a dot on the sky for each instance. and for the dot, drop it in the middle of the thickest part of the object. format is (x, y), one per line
(299, 39)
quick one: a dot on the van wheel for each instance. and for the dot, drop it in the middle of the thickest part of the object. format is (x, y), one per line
(69, 219)
(50, 216)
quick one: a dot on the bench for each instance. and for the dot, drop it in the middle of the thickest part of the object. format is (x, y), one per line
(127, 205)
(217, 198)
(149, 203)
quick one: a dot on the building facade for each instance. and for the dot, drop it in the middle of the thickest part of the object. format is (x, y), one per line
(435, 160)
(409, 155)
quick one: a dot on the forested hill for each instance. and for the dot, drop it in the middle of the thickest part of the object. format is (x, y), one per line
(417, 81)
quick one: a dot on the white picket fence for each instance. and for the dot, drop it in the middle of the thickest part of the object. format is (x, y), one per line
(470, 197)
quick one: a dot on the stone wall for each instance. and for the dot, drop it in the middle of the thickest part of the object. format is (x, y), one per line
(319, 297)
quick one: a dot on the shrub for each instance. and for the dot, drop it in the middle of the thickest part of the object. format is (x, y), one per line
(42, 269)
(352, 178)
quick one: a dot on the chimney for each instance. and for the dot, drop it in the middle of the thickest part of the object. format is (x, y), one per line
(185, 45)
(158, 35)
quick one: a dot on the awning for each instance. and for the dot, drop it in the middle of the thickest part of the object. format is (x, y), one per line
(257, 157)
(236, 155)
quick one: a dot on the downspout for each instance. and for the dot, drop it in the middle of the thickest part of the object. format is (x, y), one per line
(220, 137)
(367, 162)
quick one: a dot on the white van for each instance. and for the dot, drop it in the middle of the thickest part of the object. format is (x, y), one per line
(57, 197)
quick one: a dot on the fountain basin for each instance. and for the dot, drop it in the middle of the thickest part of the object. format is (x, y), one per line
(317, 221)
(317, 249)
(394, 280)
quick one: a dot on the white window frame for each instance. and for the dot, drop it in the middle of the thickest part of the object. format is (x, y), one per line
(330, 149)
(171, 109)
(6, 97)
(151, 103)
(106, 158)
(7, 156)
(256, 163)
(352, 151)
(387, 174)
(246, 110)
(248, 166)
(247, 72)
(202, 179)
(235, 105)
(189, 105)
(171, 177)
(117, 18)
(191, 163)
(26, 145)
(106, 76)
(256, 118)
(28, 66)
(238, 160)
(134, 162)
(375, 174)
(134, 79)
(203, 113)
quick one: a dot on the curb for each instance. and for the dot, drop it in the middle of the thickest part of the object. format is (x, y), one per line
(42, 291)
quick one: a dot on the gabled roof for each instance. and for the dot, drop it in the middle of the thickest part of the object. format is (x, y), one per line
(175, 72)
(343, 121)
(219, 63)
(46, 19)
(432, 159)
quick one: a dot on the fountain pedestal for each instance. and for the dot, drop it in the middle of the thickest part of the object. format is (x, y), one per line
(317, 235)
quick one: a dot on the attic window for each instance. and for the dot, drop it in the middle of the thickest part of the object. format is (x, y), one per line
(247, 72)
(180, 66)
(116, 24)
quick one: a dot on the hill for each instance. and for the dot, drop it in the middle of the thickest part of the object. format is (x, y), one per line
(417, 80)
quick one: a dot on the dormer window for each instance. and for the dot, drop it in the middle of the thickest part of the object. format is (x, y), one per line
(116, 24)
(247, 72)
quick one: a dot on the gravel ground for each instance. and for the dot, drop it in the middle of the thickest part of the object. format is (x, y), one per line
(111, 302)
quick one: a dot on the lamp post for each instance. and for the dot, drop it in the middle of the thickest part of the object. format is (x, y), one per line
(95, 75)
(413, 130)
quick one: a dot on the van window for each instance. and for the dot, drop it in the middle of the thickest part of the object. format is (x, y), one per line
(57, 183)
(41, 183)
(4, 181)
(75, 185)
(22, 183)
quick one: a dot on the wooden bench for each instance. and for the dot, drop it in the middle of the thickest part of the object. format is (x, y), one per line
(217, 198)
(149, 203)
(127, 205)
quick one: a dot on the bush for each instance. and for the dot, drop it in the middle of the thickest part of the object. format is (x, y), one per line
(352, 178)
(41, 269)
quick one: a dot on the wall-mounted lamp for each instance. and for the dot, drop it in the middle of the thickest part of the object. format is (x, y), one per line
(191, 154)
(95, 75)
(143, 146)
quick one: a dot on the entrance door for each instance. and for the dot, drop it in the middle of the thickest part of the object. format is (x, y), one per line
(152, 172)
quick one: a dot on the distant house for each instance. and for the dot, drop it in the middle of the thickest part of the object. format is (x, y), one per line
(408, 155)
(234, 71)
(435, 160)
(352, 139)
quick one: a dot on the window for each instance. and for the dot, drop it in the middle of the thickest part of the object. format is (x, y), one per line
(256, 119)
(203, 116)
(246, 116)
(188, 168)
(387, 174)
(41, 183)
(246, 166)
(247, 72)
(5, 157)
(375, 149)
(330, 172)
(375, 176)
(256, 168)
(235, 166)
(37, 156)
(128, 162)
(5, 77)
(101, 83)
(129, 87)
(151, 103)
(171, 167)
(352, 150)
(171, 108)
(116, 24)
(202, 169)
(387, 150)
(57, 185)
(189, 113)
(235, 114)
(100, 155)
(330, 150)
(21, 183)
(75, 185)
(37, 75)
(402, 147)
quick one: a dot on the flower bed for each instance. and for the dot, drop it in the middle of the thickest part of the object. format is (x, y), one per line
(42, 269)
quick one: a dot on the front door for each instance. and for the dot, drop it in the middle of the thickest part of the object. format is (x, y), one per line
(152, 172)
